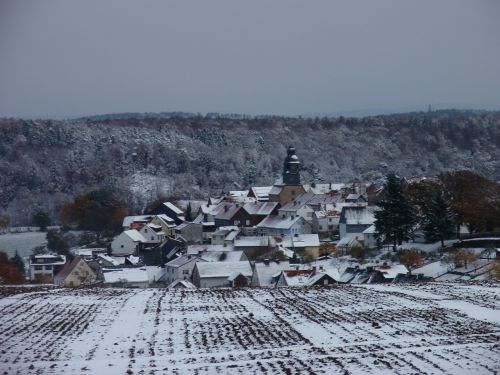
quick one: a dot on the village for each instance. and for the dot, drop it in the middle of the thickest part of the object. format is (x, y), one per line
(285, 235)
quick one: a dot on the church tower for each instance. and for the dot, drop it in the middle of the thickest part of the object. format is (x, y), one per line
(290, 187)
(291, 168)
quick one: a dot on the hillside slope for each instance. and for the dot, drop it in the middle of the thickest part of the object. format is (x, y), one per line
(44, 163)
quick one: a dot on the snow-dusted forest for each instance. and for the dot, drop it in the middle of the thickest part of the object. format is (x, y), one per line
(45, 163)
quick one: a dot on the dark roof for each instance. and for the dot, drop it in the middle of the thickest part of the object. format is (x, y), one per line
(68, 267)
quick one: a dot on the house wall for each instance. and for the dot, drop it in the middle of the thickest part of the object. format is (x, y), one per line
(289, 193)
(123, 244)
(169, 231)
(370, 242)
(179, 273)
(80, 273)
(192, 232)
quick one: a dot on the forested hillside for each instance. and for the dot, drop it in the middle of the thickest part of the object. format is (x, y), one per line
(45, 163)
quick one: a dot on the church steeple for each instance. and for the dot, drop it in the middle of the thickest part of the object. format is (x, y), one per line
(291, 168)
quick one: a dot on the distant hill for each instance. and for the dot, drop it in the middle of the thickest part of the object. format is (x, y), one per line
(44, 163)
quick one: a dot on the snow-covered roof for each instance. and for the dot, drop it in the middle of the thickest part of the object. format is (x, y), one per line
(181, 284)
(166, 219)
(370, 230)
(131, 275)
(223, 269)
(238, 193)
(278, 222)
(176, 210)
(208, 209)
(260, 208)
(222, 256)
(358, 215)
(265, 271)
(300, 240)
(261, 192)
(433, 269)
(135, 235)
(182, 260)
(251, 241)
(275, 190)
(225, 211)
(196, 249)
(127, 220)
(390, 272)
(347, 241)
(323, 188)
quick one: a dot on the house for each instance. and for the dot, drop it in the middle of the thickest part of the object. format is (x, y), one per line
(258, 211)
(254, 246)
(224, 235)
(75, 273)
(90, 253)
(324, 188)
(167, 224)
(170, 210)
(306, 277)
(354, 220)
(135, 222)
(190, 231)
(230, 214)
(281, 225)
(181, 284)
(261, 193)
(325, 222)
(356, 198)
(370, 237)
(128, 242)
(43, 267)
(180, 268)
(222, 274)
(132, 277)
(298, 207)
(266, 272)
(346, 244)
(301, 244)
(152, 233)
(171, 248)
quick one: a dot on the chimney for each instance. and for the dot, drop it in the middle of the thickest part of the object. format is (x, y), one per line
(314, 268)
(266, 262)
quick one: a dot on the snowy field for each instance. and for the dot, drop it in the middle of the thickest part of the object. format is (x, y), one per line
(22, 242)
(379, 329)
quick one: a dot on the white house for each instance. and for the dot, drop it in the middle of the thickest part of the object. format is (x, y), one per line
(282, 225)
(354, 220)
(127, 243)
(180, 268)
(43, 267)
(152, 233)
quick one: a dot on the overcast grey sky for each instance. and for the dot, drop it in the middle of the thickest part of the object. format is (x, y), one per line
(70, 58)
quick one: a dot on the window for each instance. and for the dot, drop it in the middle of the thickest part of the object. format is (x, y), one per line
(48, 268)
(38, 268)
(121, 246)
(145, 231)
(152, 238)
(185, 272)
(236, 222)
(248, 222)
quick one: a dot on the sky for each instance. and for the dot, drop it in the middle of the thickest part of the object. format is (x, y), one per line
(68, 58)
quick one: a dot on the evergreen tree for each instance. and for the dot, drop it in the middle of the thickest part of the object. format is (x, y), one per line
(439, 218)
(41, 219)
(18, 262)
(395, 219)
(189, 212)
